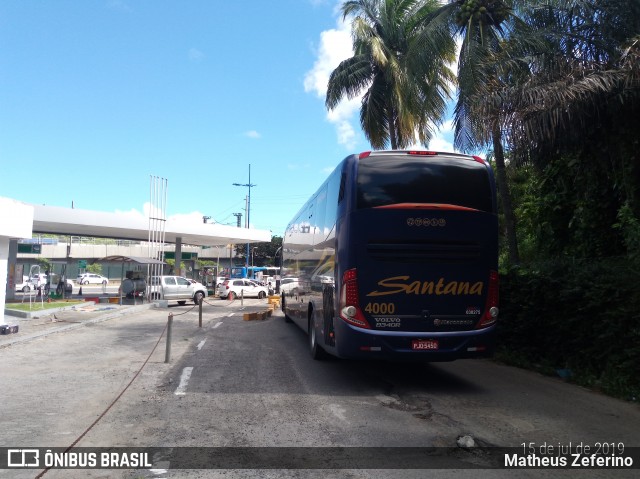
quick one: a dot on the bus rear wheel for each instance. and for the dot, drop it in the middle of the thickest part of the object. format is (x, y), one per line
(315, 349)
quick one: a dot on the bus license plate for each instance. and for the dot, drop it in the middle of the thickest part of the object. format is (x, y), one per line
(424, 344)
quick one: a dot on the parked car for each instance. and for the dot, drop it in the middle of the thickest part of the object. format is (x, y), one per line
(175, 288)
(37, 280)
(25, 286)
(234, 288)
(56, 287)
(290, 286)
(91, 278)
(41, 280)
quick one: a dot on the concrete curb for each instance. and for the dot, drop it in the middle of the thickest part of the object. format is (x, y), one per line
(98, 319)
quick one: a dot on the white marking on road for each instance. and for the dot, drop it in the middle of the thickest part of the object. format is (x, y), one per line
(157, 472)
(217, 324)
(229, 315)
(201, 343)
(184, 380)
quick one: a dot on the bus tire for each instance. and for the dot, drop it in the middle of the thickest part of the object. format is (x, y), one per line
(315, 349)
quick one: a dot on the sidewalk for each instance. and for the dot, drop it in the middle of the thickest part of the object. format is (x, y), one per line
(48, 322)
(54, 322)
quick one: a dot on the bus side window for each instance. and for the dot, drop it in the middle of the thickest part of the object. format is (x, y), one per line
(343, 180)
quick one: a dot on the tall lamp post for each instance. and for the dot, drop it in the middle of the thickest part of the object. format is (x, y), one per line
(248, 185)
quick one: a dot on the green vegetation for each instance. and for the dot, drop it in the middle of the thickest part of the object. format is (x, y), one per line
(552, 91)
(577, 317)
(263, 254)
(41, 306)
(95, 268)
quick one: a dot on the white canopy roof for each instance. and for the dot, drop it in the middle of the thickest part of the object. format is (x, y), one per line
(77, 222)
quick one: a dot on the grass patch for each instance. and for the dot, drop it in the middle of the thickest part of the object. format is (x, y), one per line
(38, 306)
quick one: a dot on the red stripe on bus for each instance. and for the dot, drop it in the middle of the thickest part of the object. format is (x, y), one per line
(425, 206)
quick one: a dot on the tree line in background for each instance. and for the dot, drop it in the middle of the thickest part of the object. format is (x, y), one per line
(551, 89)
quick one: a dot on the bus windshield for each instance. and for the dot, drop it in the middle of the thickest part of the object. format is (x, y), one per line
(388, 180)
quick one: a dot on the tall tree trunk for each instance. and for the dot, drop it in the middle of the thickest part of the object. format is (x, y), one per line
(505, 197)
(393, 137)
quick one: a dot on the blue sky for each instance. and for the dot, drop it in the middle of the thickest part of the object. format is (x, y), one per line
(97, 96)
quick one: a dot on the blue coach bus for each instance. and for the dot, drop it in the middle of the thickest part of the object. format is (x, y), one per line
(396, 257)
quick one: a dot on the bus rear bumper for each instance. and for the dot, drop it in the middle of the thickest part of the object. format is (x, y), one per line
(359, 343)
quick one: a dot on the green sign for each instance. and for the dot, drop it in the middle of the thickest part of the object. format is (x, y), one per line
(29, 248)
(82, 263)
(185, 256)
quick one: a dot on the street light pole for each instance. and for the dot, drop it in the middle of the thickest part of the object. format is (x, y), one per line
(248, 185)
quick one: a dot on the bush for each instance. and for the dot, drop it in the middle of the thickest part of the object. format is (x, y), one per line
(582, 316)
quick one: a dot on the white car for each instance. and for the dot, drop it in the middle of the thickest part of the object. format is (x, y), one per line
(25, 286)
(290, 286)
(235, 288)
(90, 278)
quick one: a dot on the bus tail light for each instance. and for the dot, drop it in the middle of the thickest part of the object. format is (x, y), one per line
(349, 303)
(491, 307)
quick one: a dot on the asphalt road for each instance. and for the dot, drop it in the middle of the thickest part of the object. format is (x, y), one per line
(235, 383)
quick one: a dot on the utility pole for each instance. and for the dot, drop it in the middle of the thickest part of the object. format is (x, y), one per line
(249, 185)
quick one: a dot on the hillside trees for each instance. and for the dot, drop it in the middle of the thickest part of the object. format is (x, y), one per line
(573, 114)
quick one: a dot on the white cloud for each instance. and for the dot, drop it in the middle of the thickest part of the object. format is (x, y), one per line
(133, 213)
(438, 143)
(335, 46)
(252, 134)
(346, 134)
(179, 219)
(119, 5)
(195, 55)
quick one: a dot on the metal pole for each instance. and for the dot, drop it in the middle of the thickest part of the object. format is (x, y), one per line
(249, 212)
(248, 223)
(167, 354)
(200, 313)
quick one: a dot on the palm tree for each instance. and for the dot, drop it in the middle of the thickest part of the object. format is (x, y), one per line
(402, 73)
(483, 26)
(569, 86)
(581, 57)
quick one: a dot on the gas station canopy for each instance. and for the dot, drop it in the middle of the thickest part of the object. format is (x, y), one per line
(133, 226)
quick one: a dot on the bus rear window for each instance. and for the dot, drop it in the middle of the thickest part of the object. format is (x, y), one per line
(388, 180)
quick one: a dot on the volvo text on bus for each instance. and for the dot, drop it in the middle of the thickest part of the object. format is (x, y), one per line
(396, 257)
